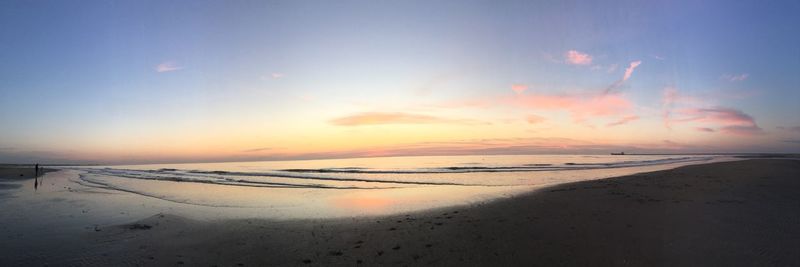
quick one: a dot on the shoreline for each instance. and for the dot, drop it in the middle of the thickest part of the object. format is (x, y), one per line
(673, 217)
(729, 213)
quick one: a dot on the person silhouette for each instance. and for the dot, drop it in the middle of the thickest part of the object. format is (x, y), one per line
(36, 177)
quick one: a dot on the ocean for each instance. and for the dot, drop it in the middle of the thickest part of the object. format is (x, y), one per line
(354, 187)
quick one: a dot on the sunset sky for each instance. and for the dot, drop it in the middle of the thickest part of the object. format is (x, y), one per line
(183, 81)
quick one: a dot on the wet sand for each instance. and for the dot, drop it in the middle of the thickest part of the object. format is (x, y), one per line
(731, 213)
(11, 174)
(20, 172)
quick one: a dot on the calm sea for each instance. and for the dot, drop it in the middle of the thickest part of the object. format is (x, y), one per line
(359, 186)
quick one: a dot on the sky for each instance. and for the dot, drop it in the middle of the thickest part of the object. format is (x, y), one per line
(199, 81)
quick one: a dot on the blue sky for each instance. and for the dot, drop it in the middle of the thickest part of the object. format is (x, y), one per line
(140, 81)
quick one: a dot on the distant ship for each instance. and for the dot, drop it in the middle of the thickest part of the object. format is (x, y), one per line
(617, 154)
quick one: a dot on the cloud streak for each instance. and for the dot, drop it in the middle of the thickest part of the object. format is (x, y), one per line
(729, 120)
(630, 68)
(535, 119)
(260, 149)
(167, 67)
(519, 88)
(575, 57)
(678, 108)
(736, 77)
(383, 118)
(623, 120)
(627, 75)
(581, 107)
(705, 129)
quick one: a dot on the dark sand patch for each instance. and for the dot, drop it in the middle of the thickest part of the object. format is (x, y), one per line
(9, 186)
(20, 172)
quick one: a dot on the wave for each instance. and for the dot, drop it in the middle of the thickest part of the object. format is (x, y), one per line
(93, 183)
(368, 178)
(329, 178)
(221, 180)
(521, 168)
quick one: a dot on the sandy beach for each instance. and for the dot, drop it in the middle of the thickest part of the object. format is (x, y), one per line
(399, 133)
(730, 213)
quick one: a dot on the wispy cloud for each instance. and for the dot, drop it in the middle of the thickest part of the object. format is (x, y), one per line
(519, 88)
(721, 115)
(273, 76)
(677, 108)
(742, 129)
(630, 68)
(575, 57)
(580, 107)
(379, 118)
(792, 141)
(260, 149)
(168, 66)
(623, 120)
(736, 77)
(534, 119)
(671, 98)
(705, 129)
(668, 99)
(730, 120)
(628, 73)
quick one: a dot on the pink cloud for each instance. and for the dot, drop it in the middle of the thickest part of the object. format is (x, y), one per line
(670, 98)
(736, 78)
(625, 77)
(581, 107)
(519, 88)
(167, 67)
(623, 120)
(577, 58)
(677, 108)
(719, 115)
(378, 118)
(534, 119)
(730, 120)
(630, 68)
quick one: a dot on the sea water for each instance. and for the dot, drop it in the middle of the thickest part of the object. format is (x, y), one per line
(351, 187)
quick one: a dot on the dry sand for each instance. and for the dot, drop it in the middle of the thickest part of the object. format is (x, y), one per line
(732, 213)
